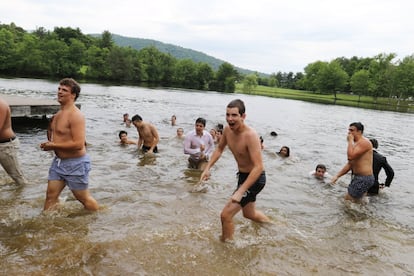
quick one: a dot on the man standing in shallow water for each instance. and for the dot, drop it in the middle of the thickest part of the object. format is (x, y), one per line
(148, 135)
(71, 165)
(9, 144)
(244, 143)
(359, 153)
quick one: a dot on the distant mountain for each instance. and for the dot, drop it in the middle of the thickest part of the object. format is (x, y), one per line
(176, 51)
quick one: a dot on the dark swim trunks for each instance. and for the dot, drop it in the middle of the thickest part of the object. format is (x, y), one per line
(360, 184)
(250, 194)
(146, 148)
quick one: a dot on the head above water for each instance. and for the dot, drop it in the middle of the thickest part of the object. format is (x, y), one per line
(136, 118)
(320, 171)
(358, 126)
(122, 132)
(237, 104)
(320, 166)
(74, 86)
(201, 121)
(284, 151)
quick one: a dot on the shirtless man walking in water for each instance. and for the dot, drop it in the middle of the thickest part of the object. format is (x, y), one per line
(71, 165)
(148, 135)
(359, 153)
(244, 143)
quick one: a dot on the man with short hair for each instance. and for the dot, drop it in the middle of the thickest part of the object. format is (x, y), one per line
(320, 172)
(244, 143)
(123, 136)
(180, 133)
(199, 144)
(359, 152)
(9, 145)
(148, 135)
(71, 165)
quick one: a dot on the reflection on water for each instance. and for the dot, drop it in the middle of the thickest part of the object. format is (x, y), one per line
(151, 222)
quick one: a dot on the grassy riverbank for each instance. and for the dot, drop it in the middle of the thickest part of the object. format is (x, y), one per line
(342, 99)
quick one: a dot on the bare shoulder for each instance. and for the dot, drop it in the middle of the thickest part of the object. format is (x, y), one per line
(3, 106)
(75, 115)
(250, 133)
(366, 144)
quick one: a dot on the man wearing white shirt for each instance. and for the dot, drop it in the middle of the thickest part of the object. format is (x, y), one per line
(199, 144)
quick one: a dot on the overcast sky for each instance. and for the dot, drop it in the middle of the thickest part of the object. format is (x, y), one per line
(263, 35)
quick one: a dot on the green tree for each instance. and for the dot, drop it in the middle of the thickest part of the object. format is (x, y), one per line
(7, 51)
(121, 64)
(360, 82)
(205, 75)
(273, 81)
(157, 65)
(297, 81)
(331, 78)
(185, 74)
(106, 40)
(226, 77)
(312, 72)
(405, 75)
(380, 70)
(249, 83)
(54, 53)
(96, 62)
(29, 61)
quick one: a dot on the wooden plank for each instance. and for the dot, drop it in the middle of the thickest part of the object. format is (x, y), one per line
(31, 107)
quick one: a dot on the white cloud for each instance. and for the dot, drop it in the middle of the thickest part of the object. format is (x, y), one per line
(263, 35)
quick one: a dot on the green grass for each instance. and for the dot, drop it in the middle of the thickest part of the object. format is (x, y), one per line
(342, 99)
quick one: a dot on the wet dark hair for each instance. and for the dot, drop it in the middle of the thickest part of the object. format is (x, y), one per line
(374, 143)
(320, 166)
(219, 127)
(239, 104)
(201, 121)
(74, 86)
(136, 117)
(261, 139)
(358, 126)
(122, 132)
(287, 150)
(273, 133)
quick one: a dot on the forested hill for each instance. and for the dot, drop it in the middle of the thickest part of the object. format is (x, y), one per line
(174, 50)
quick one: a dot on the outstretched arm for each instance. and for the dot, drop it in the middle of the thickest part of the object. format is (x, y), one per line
(343, 171)
(205, 175)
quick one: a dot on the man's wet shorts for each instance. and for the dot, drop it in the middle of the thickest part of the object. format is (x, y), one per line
(73, 171)
(146, 148)
(250, 194)
(360, 184)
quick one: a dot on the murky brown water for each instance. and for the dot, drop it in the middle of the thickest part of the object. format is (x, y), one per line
(151, 224)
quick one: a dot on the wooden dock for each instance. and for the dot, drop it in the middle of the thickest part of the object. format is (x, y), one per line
(30, 107)
(27, 111)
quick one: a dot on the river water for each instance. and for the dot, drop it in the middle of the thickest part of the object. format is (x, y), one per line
(150, 222)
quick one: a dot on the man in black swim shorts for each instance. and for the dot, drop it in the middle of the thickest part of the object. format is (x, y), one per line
(250, 194)
(244, 143)
(148, 135)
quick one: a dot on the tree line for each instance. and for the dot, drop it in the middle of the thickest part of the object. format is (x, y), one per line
(68, 52)
(379, 76)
